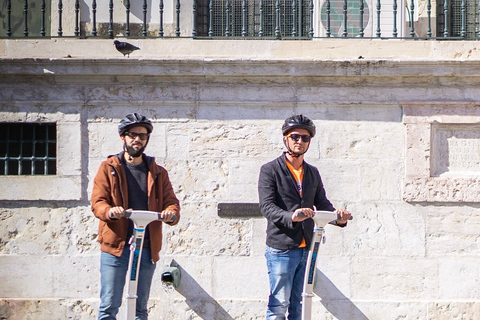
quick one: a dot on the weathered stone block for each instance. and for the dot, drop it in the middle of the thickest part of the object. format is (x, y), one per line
(452, 231)
(248, 277)
(459, 279)
(332, 281)
(21, 279)
(454, 310)
(244, 180)
(24, 309)
(193, 183)
(381, 180)
(399, 278)
(436, 170)
(341, 178)
(365, 309)
(392, 229)
(86, 282)
(196, 282)
(193, 234)
(42, 231)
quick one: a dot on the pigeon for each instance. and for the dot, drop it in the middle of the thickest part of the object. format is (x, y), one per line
(125, 47)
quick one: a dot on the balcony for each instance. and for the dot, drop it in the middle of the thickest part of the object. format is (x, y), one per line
(241, 19)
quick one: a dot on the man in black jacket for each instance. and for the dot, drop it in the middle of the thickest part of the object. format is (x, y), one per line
(288, 186)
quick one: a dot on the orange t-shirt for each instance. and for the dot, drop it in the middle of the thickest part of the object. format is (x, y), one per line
(298, 174)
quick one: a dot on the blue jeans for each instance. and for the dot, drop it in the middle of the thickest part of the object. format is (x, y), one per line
(113, 274)
(286, 270)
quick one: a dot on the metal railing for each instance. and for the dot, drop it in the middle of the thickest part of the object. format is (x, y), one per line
(241, 19)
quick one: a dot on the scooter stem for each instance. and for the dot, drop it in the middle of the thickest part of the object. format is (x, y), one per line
(140, 221)
(321, 218)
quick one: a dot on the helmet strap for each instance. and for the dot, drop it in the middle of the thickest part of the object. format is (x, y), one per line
(291, 153)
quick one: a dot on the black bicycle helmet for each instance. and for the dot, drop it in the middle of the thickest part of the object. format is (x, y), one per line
(298, 122)
(134, 119)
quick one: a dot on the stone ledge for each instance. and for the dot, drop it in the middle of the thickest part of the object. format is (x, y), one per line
(261, 50)
(115, 72)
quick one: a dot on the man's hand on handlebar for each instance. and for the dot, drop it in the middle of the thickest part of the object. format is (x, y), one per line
(304, 213)
(168, 215)
(344, 216)
(116, 212)
(307, 213)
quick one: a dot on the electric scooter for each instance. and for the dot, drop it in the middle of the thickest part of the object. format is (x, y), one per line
(321, 218)
(140, 221)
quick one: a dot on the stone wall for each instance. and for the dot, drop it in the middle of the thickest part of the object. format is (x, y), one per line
(411, 251)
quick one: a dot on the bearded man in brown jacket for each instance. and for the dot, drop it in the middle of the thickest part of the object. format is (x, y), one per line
(130, 180)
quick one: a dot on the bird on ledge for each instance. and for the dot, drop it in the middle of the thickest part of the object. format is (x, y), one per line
(125, 48)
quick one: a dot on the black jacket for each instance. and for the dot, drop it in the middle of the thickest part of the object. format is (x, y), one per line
(279, 198)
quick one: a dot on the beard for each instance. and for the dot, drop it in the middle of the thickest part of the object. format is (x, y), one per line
(134, 152)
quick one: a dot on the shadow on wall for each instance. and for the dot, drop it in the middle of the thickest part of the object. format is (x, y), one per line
(335, 301)
(199, 300)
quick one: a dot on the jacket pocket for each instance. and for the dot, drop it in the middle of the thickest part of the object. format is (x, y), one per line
(109, 237)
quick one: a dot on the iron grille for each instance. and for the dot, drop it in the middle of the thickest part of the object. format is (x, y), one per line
(333, 17)
(28, 148)
(257, 18)
(27, 18)
(462, 18)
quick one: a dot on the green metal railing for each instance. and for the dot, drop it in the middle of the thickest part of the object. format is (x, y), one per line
(245, 19)
(254, 19)
(28, 148)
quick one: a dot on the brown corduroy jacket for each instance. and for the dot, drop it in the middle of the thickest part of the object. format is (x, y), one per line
(110, 190)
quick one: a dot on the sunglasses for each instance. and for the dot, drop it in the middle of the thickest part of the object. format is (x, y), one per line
(296, 137)
(134, 135)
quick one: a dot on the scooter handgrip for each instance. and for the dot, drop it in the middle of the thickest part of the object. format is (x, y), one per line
(339, 216)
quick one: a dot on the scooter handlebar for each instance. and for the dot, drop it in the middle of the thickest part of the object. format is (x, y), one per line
(152, 214)
(329, 214)
(300, 214)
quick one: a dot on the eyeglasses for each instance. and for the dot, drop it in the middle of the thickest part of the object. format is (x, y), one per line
(134, 135)
(296, 137)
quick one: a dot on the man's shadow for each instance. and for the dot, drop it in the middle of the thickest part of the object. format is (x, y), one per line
(199, 300)
(335, 301)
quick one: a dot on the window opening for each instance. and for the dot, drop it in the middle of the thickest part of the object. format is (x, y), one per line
(37, 14)
(337, 19)
(28, 149)
(455, 17)
(257, 18)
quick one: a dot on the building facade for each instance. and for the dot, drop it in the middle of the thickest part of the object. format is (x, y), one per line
(398, 145)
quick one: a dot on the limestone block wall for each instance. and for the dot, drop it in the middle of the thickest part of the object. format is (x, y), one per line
(411, 251)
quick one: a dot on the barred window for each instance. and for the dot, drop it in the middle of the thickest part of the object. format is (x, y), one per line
(334, 15)
(457, 11)
(18, 27)
(28, 149)
(254, 18)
